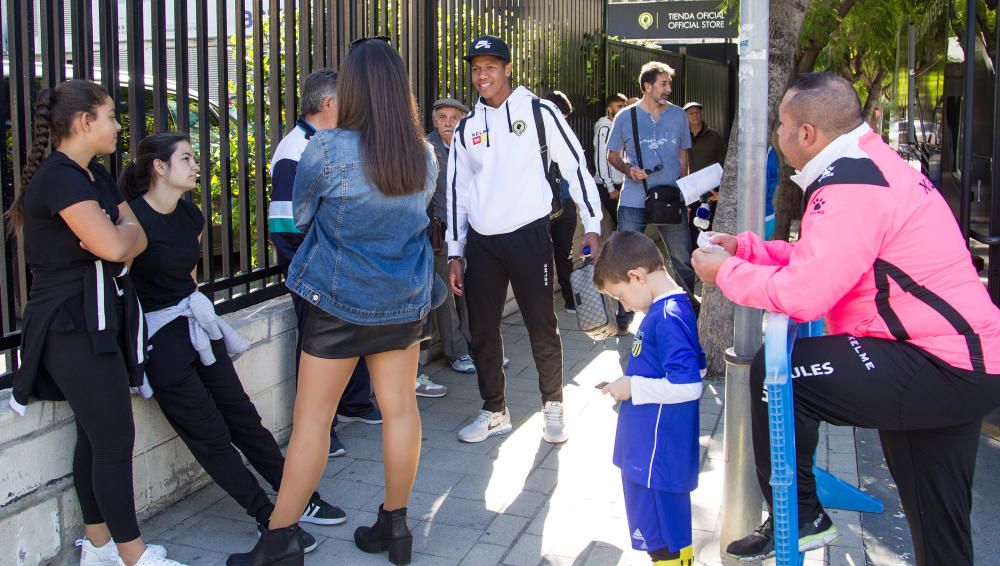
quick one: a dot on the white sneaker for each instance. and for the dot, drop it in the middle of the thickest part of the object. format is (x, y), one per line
(464, 364)
(427, 388)
(152, 558)
(107, 555)
(487, 424)
(555, 423)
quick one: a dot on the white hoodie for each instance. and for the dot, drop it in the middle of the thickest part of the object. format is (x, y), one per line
(605, 174)
(496, 180)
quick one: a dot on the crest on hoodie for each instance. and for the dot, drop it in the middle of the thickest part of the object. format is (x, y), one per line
(519, 127)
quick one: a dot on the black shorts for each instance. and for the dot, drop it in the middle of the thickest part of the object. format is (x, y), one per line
(326, 336)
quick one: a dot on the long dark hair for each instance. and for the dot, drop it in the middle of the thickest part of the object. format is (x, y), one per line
(55, 109)
(136, 178)
(373, 97)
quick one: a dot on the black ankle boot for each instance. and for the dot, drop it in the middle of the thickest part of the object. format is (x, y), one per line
(277, 547)
(388, 533)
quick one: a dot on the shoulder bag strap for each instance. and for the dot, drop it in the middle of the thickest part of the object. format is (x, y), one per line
(638, 146)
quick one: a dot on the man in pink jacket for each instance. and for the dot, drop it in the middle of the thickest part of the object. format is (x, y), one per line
(914, 344)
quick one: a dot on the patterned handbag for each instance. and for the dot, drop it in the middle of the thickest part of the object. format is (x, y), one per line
(595, 311)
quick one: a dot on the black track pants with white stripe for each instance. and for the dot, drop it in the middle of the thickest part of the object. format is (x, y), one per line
(524, 259)
(928, 415)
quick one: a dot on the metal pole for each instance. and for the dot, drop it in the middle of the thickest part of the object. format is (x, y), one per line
(741, 495)
(967, 109)
(911, 86)
(994, 263)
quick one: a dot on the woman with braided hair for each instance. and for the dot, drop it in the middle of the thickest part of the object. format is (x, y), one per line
(83, 338)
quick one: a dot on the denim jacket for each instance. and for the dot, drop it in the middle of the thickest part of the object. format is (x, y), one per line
(366, 258)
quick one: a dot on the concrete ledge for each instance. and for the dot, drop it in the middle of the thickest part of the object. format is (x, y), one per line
(39, 514)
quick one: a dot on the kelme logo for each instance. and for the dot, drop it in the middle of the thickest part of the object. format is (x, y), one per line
(519, 127)
(645, 20)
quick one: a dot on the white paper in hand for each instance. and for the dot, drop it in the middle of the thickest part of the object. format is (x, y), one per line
(706, 244)
(700, 182)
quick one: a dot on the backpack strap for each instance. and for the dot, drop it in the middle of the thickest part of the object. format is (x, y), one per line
(638, 146)
(543, 148)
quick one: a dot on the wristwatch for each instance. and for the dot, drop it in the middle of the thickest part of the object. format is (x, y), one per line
(452, 258)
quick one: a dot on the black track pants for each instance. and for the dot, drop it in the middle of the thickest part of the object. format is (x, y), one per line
(522, 258)
(928, 415)
(209, 409)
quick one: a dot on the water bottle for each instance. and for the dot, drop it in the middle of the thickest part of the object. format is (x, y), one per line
(702, 217)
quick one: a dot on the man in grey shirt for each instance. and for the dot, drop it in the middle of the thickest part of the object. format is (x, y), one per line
(452, 317)
(664, 140)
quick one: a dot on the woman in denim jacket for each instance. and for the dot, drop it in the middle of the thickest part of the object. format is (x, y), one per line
(366, 268)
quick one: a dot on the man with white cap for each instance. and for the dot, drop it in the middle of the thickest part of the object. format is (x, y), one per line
(707, 148)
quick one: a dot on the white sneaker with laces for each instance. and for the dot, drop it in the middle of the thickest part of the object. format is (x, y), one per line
(485, 425)
(107, 555)
(554, 431)
(463, 364)
(427, 388)
(152, 558)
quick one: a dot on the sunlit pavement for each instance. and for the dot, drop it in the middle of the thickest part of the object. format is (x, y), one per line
(513, 499)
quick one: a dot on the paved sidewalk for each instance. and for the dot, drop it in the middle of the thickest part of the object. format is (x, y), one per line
(514, 499)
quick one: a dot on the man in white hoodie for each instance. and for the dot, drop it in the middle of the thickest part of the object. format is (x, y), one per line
(609, 180)
(499, 202)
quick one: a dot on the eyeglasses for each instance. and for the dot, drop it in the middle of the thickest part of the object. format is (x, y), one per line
(361, 40)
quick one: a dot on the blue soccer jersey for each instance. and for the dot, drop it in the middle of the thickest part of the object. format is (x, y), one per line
(656, 444)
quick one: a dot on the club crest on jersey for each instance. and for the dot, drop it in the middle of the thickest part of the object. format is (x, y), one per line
(637, 345)
(519, 127)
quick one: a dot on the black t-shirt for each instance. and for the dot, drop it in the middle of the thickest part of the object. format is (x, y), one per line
(162, 273)
(49, 244)
(51, 249)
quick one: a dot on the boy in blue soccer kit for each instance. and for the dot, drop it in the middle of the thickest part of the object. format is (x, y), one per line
(656, 444)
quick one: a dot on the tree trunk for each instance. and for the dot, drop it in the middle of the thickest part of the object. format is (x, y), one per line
(874, 94)
(715, 324)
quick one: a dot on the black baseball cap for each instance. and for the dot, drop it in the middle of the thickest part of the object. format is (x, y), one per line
(488, 45)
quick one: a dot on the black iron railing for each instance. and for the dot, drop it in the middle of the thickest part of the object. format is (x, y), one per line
(227, 72)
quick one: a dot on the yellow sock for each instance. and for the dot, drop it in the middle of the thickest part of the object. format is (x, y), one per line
(685, 559)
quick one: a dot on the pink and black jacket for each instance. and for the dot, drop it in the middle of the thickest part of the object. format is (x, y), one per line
(879, 255)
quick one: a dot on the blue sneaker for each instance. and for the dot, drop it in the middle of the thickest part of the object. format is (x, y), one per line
(373, 416)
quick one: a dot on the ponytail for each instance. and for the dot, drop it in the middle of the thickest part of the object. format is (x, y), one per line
(39, 149)
(138, 175)
(55, 109)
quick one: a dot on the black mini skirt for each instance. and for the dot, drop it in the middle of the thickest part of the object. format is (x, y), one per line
(329, 337)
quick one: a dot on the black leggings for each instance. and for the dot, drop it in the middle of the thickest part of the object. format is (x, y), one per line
(97, 389)
(928, 415)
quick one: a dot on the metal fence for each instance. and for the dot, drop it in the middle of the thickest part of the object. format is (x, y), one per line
(227, 72)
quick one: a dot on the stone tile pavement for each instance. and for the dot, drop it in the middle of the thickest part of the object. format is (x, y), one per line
(509, 500)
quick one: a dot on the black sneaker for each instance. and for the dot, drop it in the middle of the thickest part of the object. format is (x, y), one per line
(319, 512)
(570, 306)
(308, 541)
(758, 545)
(817, 532)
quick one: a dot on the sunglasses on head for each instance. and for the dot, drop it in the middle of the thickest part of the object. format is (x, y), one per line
(361, 40)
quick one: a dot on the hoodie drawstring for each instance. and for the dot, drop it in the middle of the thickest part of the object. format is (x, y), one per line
(510, 126)
(487, 122)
